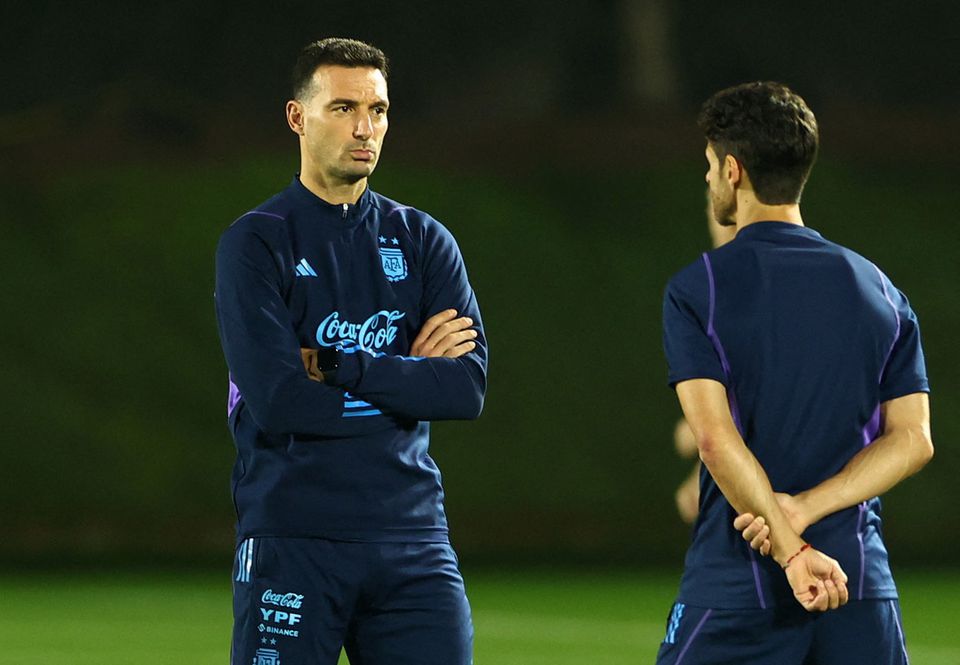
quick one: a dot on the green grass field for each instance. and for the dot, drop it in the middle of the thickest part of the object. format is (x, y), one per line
(549, 618)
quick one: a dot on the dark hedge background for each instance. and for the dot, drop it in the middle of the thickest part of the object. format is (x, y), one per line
(558, 143)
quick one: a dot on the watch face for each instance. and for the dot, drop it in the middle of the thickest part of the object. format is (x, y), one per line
(328, 358)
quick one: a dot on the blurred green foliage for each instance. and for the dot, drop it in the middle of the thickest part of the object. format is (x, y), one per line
(115, 387)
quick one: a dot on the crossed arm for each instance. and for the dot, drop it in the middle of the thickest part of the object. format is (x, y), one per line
(817, 581)
(904, 448)
(443, 335)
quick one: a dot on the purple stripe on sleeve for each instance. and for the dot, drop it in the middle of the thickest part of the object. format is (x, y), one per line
(233, 396)
(731, 399)
(718, 347)
(872, 428)
(896, 334)
(683, 652)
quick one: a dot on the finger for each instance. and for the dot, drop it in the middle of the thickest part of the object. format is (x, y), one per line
(742, 521)
(814, 599)
(444, 330)
(839, 578)
(754, 529)
(820, 595)
(808, 600)
(765, 548)
(441, 332)
(835, 571)
(309, 358)
(431, 324)
(761, 538)
(844, 593)
(451, 340)
(838, 575)
(833, 594)
(460, 349)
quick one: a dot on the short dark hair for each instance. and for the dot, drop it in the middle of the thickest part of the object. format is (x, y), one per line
(334, 51)
(768, 128)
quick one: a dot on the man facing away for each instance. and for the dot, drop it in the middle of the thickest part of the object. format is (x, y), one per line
(347, 323)
(798, 366)
(687, 495)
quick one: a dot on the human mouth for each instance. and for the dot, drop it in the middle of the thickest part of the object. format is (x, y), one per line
(362, 155)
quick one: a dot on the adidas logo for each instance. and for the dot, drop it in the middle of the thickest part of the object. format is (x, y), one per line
(304, 269)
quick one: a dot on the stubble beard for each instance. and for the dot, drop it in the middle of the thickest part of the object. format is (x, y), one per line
(724, 209)
(352, 173)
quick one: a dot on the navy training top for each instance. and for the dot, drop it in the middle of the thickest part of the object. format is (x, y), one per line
(809, 338)
(347, 461)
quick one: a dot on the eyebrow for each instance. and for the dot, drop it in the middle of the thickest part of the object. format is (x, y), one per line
(343, 101)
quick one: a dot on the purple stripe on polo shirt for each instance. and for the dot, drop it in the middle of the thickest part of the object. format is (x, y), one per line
(267, 214)
(862, 508)
(872, 428)
(732, 401)
(718, 347)
(870, 432)
(683, 652)
(896, 334)
(756, 574)
(233, 396)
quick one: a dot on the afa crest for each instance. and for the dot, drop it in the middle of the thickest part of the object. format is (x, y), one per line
(394, 265)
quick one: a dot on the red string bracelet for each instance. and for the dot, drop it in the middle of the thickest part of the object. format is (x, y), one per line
(799, 552)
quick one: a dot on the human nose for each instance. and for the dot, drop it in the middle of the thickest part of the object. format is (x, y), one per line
(364, 128)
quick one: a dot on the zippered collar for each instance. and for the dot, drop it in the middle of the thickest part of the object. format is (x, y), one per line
(335, 213)
(773, 228)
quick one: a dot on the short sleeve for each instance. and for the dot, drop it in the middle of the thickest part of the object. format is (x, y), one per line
(905, 371)
(690, 351)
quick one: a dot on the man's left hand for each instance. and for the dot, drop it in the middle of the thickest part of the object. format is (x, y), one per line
(445, 335)
(309, 358)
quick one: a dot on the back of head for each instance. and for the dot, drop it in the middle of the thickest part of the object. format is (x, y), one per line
(770, 130)
(336, 51)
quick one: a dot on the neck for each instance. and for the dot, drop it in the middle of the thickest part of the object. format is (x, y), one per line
(333, 192)
(751, 211)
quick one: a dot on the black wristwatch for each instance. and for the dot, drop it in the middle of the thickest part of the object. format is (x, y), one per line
(328, 362)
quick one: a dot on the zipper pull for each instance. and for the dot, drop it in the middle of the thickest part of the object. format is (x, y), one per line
(346, 207)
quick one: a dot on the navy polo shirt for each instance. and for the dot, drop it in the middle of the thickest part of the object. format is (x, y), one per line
(809, 338)
(347, 460)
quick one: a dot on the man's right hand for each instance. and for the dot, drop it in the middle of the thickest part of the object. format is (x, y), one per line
(444, 335)
(756, 531)
(818, 582)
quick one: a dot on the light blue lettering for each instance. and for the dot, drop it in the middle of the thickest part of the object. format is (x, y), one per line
(378, 331)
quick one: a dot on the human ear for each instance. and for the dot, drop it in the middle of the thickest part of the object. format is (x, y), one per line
(733, 168)
(295, 116)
